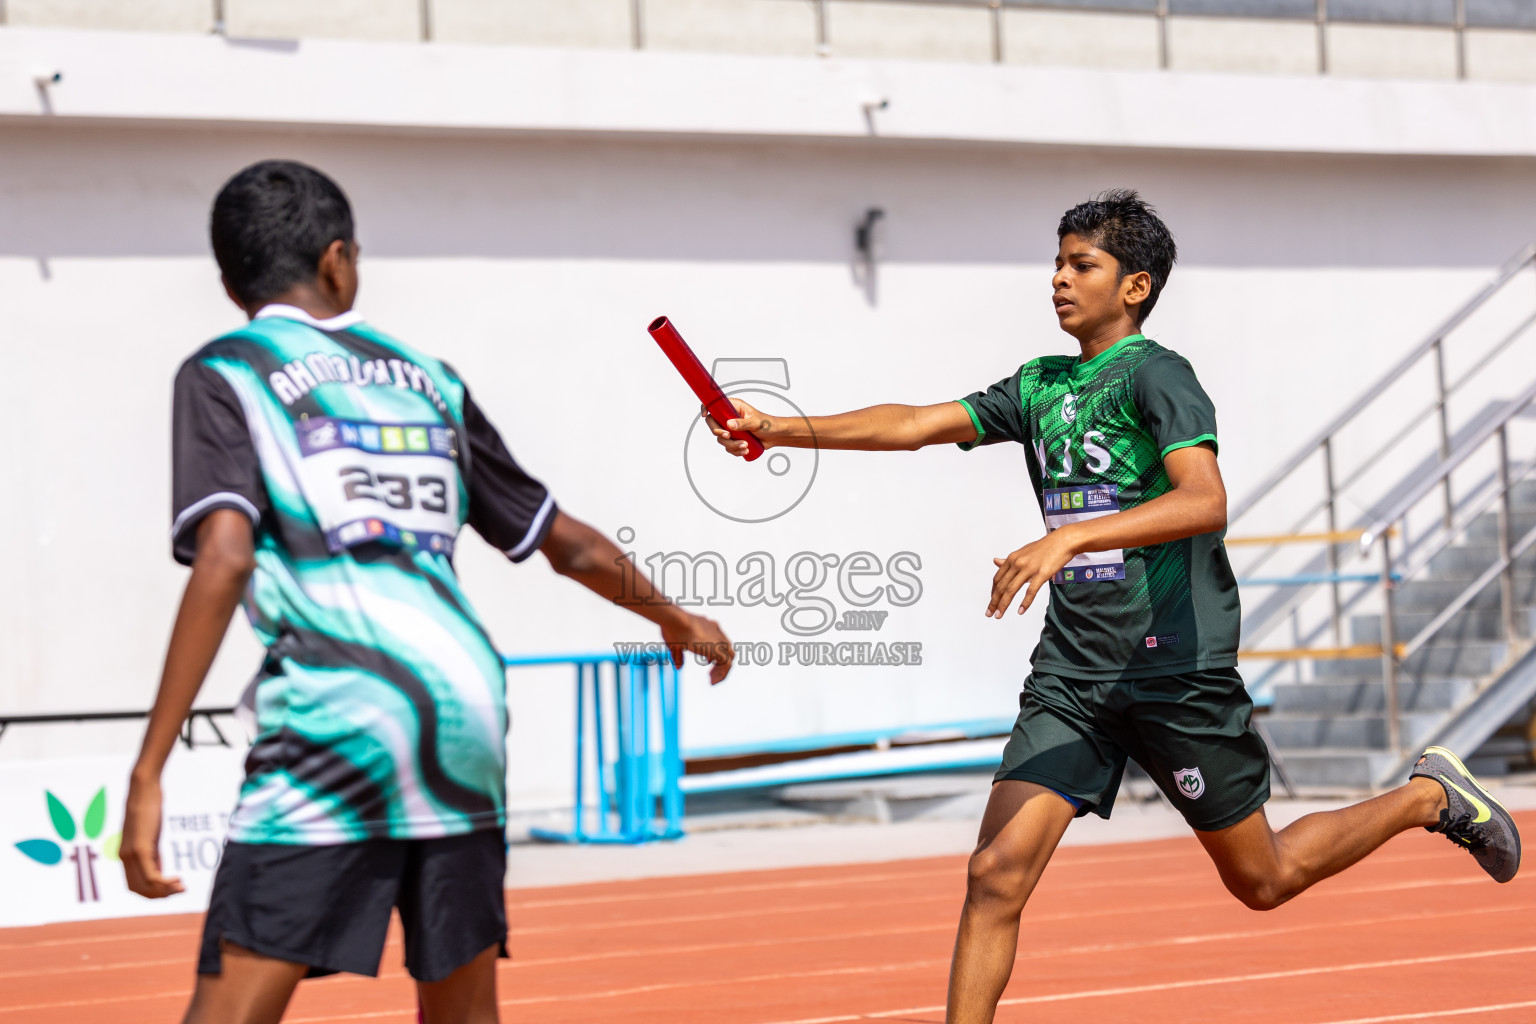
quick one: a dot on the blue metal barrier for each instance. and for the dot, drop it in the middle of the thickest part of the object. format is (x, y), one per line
(642, 706)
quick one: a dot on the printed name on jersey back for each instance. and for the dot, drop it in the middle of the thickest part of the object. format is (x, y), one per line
(301, 376)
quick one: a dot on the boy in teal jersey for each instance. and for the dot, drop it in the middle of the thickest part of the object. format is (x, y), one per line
(1138, 653)
(322, 472)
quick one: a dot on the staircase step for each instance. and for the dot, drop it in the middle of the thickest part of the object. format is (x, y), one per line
(1523, 494)
(1345, 732)
(1475, 659)
(1467, 561)
(1485, 528)
(1364, 696)
(1345, 769)
(1425, 594)
(1466, 625)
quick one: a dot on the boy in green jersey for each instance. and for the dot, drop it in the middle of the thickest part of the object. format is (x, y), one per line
(1137, 657)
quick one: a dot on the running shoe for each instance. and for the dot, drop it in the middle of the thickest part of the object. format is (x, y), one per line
(1473, 819)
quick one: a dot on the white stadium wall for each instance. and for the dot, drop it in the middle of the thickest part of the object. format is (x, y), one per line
(533, 261)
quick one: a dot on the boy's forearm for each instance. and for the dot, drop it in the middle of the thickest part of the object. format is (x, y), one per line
(583, 554)
(219, 574)
(877, 428)
(1173, 516)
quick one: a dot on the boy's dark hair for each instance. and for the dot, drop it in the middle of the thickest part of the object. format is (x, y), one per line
(1122, 224)
(270, 225)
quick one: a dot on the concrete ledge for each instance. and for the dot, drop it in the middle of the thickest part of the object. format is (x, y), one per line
(1386, 51)
(199, 80)
(376, 20)
(782, 28)
(1501, 56)
(871, 29)
(140, 15)
(1245, 45)
(1064, 38)
(596, 23)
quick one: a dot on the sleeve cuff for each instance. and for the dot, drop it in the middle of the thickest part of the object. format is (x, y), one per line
(537, 531)
(966, 446)
(1192, 442)
(189, 517)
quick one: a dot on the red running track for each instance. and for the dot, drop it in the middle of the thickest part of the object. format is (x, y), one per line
(1138, 932)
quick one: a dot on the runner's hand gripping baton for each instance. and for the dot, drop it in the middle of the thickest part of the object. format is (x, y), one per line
(700, 381)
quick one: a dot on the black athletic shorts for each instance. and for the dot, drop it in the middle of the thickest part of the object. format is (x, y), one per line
(1191, 732)
(328, 906)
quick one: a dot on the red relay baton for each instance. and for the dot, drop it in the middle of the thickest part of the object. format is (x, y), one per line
(700, 381)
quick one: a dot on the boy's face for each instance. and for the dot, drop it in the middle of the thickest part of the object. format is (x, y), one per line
(1088, 291)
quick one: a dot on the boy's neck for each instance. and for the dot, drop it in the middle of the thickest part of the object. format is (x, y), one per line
(310, 299)
(1101, 339)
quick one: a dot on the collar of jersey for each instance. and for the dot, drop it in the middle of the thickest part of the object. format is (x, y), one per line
(351, 318)
(1092, 365)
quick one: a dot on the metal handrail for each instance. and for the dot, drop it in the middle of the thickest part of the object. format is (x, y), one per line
(1502, 569)
(1305, 451)
(1323, 443)
(1460, 601)
(1447, 466)
(1159, 10)
(61, 717)
(1369, 461)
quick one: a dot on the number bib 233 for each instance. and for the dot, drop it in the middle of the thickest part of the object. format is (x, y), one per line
(395, 483)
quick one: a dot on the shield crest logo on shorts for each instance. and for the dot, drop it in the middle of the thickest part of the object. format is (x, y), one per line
(1190, 782)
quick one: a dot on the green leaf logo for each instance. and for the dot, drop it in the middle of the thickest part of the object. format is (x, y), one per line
(63, 824)
(44, 851)
(84, 857)
(96, 814)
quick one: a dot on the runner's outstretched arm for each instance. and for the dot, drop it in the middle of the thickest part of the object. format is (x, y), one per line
(224, 563)
(880, 428)
(576, 550)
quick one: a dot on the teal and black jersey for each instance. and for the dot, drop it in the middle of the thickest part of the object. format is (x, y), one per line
(1095, 434)
(380, 707)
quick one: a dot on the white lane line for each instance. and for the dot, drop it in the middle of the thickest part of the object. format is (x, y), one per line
(87, 967)
(121, 937)
(822, 883)
(1433, 1014)
(1232, 979)
(636, 990)
(948, 925)
(180, 993)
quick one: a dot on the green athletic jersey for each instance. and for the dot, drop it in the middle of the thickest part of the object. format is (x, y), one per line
(380, 707)
(1094, 437)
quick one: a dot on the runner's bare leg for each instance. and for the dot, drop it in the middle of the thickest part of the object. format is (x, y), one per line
(1265, 868)
(252, 989)
(467, 996)
(1019, 832)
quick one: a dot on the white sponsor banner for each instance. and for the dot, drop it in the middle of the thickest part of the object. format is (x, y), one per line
(61, 820)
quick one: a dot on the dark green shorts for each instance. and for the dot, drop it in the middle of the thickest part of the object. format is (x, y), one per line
(1191, 732)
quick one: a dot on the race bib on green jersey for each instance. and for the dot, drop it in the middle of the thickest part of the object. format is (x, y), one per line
(1064, 505)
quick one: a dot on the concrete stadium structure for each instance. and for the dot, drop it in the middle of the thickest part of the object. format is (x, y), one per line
(525, 210)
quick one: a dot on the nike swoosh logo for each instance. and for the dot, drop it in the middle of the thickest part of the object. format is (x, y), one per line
(1483, 813)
